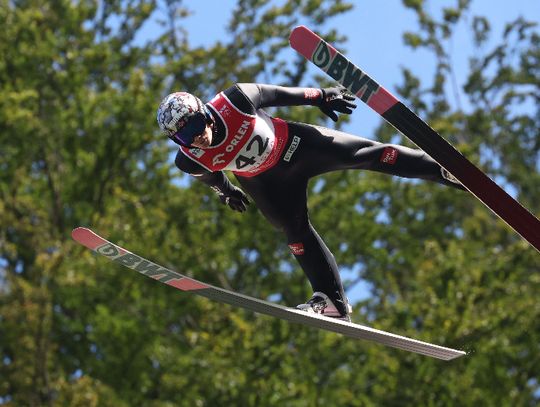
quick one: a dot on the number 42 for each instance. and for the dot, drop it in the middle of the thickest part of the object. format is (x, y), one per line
(243, 161)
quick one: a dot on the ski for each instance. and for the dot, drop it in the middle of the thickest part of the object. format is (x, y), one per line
(94, 242)
(328, 59)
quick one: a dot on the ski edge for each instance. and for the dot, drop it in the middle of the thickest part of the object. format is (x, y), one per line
(113, 252)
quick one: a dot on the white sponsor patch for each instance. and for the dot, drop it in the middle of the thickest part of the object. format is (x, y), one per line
(197, 152)
(292, 148)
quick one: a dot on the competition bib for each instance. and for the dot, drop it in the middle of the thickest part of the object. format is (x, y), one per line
(252, 144)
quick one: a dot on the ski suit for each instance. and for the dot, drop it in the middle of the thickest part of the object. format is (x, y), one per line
(273, 160)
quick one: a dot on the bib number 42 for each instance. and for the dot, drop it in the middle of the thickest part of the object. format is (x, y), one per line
(257, 143)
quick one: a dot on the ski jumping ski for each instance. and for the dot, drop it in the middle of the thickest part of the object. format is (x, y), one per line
(94, 242)
(328, 59)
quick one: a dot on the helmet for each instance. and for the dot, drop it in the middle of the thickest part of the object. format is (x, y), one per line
(174, 113)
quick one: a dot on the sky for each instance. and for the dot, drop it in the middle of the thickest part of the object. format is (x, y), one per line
(374, 29)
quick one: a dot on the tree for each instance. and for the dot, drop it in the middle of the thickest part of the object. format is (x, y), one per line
(449, 271)
(80, 147)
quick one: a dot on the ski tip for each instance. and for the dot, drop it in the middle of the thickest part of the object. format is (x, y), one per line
(303, 40)
(295, 33)
(87, 238)
(78, 232)
(299, 33)
(299, 28)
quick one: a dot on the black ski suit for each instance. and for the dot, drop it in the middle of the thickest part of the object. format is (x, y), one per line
(280, 192)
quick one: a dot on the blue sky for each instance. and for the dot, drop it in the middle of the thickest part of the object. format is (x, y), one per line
(374, 30)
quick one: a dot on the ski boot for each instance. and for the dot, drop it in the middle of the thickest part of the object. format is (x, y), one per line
(319, 303)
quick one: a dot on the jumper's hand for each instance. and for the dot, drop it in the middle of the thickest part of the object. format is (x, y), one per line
(235, 199)
(336, 100)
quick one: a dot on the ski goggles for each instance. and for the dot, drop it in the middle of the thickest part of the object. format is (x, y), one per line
(194, 127)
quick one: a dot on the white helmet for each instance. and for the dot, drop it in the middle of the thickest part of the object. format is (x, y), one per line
(176, 109)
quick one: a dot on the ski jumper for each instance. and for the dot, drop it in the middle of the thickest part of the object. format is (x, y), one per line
(273, 161)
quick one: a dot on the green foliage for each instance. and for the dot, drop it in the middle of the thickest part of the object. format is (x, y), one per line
(78, 92)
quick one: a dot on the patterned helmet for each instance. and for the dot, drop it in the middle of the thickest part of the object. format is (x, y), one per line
(175, 111)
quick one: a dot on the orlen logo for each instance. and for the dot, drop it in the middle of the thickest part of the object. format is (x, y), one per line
(238, 136)
(218, 159)
(389, 156)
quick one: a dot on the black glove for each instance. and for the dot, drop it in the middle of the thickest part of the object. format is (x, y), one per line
(235, 198)
(338, 99)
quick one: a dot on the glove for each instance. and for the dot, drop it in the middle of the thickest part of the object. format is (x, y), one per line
(338, 99)
(235, 198)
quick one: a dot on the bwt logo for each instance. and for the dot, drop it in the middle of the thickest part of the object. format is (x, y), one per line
(343, 71)
(137, 263)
